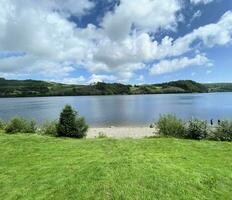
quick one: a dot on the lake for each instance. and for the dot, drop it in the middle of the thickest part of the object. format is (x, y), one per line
(122, 110)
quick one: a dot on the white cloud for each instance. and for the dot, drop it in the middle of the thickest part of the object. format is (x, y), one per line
(141, 78)
(140, 48)
(209, 36)
(66, 8)
(167, 66)
(197, 14)
(145, 15)
(48, 39)
(70, 80)
(54, 46)
(201, 1)
(101, 78)
(72, 7)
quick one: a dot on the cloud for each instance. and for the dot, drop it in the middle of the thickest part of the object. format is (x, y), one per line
(144, 15)
(40, 38)
(168, 66)
(139, 48)
(68, 7)
(47, 37)
(196, 15)
(201, 1)
(72, 7)
(207, 36)
(101, 78)
(141, 78)
(70, 80)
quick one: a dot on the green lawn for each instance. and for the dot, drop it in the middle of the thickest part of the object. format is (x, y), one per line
(37, 167)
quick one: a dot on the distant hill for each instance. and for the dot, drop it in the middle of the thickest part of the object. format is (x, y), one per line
(182, 86)
(32, 88)
(219, 87)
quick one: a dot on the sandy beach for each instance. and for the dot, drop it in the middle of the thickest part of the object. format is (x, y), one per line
(122, 132)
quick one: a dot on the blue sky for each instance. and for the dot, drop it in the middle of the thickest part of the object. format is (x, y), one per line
(128, 41)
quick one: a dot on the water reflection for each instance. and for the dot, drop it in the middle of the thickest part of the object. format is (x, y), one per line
(122, 110)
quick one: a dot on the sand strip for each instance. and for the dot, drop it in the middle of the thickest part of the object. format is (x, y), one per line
(122, 132)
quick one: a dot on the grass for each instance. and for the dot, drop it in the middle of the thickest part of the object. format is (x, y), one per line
(38, 167)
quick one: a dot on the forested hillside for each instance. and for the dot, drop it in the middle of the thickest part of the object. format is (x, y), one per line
(31, 88)
(219, 87)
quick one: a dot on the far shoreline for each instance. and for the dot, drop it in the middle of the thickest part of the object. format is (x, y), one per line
(114, 95)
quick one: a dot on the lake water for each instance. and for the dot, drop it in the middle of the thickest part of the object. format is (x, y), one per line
(122, 110)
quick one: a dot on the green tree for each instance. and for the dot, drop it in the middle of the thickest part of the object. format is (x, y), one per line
(71, 124)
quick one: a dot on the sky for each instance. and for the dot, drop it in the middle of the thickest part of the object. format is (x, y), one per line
(126, 41)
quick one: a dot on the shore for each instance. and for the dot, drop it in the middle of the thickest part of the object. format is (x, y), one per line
(121, 132)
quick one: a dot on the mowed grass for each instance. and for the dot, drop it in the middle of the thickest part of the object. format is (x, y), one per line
(38, 167)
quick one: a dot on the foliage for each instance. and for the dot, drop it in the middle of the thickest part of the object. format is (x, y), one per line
(189, 86)
(49, 128)
(197, 129)
(2, 124)
(81, 127)
(222, 132)
(71, 124)
(19, 88)
(219, 87)
(113, 89)
(101, 135)
(20, 125)
(170, 125)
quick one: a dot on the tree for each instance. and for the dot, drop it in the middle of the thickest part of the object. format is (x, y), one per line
(71, 124)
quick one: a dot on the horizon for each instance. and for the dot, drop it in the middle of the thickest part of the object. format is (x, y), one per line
(115, 82)
(98, 41)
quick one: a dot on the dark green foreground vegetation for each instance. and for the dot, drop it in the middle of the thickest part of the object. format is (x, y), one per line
(70, 124)
(171, 126)
(36, 167)
(31, 88)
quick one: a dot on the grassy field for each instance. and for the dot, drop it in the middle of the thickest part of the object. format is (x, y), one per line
(37, 167)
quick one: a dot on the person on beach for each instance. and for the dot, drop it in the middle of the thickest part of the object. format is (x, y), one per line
(211, 122)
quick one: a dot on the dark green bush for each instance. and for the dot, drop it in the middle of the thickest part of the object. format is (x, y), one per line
(20, 125)
(170, 125)
(71, 124)
(197, 129)
(222, 132)
(48, 128)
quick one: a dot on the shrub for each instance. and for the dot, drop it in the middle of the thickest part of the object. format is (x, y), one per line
(2, 124)
(71, 124)
(20, 125)
(49, 128)
(197, 129)
(101, 135)
(170, 125)
(222, 132)
(31, 127)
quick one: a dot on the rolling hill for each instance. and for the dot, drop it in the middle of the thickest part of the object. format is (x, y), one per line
(33, 88)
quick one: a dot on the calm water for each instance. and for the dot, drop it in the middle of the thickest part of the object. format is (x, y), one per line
(122, 110)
